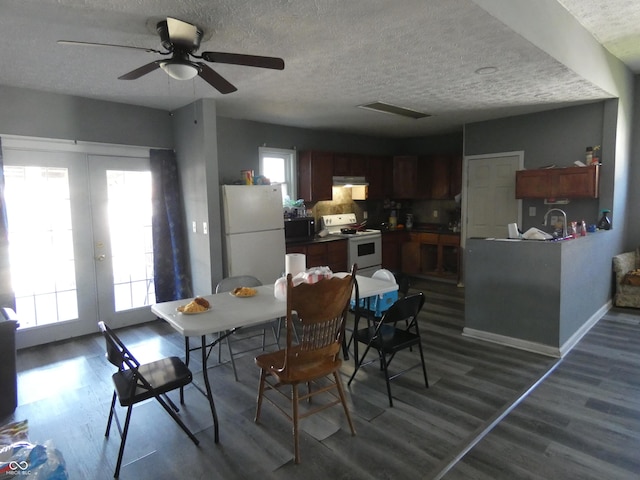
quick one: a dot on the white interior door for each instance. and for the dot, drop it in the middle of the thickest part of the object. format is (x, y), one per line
(490, 203)
(79, 239)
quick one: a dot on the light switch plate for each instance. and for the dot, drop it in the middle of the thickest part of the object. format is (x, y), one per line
(205, 230)
(195, 227)
(532, 211)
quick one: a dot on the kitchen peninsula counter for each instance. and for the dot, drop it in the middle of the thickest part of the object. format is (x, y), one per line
(541, 296)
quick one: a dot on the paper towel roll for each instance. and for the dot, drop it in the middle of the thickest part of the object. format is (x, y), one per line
(295, 263)
(513, 230)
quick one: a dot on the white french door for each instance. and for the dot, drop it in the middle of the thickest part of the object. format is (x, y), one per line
(79, 237)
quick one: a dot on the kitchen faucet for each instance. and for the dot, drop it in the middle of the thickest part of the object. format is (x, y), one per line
(565, 234)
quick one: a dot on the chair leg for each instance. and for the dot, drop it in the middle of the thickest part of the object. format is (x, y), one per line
(383, 359)
(294, 401)
(275, 329)
(343, 399)
(170, 402)
(113, 406)
(178, 420)
(263, 376)
(357, 360)
(125, 430)
(424, 369)
(233, 362)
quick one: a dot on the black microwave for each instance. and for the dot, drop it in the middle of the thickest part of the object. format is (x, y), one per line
(301, 228)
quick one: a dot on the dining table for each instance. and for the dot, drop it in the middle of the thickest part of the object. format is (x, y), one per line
(228, 313)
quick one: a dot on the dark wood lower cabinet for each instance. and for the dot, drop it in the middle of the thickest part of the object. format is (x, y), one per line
(392, 250)
(432, 254)
(332, 254)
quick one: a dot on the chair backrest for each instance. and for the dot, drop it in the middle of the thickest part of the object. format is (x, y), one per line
(319, 309)
(384, 274)
(405, 309)
(229, 283)
(117, 353)
(404, 283)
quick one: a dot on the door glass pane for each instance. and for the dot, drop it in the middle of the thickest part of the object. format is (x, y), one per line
(129, 197)
(41, 244)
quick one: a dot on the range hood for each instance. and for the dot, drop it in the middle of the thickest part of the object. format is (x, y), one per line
(340, 181)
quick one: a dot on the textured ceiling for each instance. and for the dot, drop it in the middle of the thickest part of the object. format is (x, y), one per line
(420, 54)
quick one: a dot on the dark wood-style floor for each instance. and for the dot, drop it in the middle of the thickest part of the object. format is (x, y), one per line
(491, 412)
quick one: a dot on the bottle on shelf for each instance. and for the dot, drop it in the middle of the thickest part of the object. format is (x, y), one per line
(589, 156)
(605, 222)
(393, 220)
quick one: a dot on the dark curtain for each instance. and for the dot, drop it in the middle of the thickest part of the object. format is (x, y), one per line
(7, 296)
(170, 253)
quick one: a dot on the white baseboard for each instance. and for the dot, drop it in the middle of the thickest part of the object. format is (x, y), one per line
(548, 350)
(512, 342)
(584, 329)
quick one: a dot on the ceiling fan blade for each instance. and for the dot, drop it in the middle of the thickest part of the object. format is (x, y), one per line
(215, 79)
(241, 59)
(181, 33)
(92, 44)
(143, 70)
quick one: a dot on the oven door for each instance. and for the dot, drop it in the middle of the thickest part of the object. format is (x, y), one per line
(366, 251)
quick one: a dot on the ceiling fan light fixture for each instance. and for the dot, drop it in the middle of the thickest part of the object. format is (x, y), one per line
(179, 70)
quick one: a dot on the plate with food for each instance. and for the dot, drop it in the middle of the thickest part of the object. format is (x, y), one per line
(244, 292)
(195, 306)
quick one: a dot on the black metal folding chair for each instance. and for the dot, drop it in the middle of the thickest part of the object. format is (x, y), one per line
(135, 382)
(396, 331)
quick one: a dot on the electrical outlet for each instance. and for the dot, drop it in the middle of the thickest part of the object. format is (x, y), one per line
(205, 230)
(532, 211)
(554, 220)
(435, 214)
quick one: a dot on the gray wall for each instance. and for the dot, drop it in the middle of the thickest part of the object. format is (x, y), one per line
(450, 143)
(632, 239)
(196, 151)
(557, 137)
(46, 115)
(238, 142)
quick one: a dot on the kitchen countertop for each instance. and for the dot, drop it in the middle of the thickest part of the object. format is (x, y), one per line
(440, 230)
(316, 239)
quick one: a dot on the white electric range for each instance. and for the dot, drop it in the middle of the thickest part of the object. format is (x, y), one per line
(364, 245)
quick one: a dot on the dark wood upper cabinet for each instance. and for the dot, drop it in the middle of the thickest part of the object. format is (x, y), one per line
(380, 177)
(315, 176)
(347, 164)
(571, 182)
(439, 177)
(405, 177)
(455, 177)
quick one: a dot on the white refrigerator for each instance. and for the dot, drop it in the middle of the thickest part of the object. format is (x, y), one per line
(253, 222)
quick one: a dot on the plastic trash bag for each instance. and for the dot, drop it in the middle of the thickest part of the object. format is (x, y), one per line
(312, 275)
(19, 458)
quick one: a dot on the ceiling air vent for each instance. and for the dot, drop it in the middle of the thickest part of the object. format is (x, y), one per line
(394, 110)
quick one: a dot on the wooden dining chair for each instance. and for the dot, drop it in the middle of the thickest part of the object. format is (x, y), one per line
(135, 382)
(319, 311)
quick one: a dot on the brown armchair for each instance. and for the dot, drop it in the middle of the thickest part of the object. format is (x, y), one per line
(627, 276)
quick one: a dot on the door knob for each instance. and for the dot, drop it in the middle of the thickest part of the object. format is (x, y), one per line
(101, 258)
